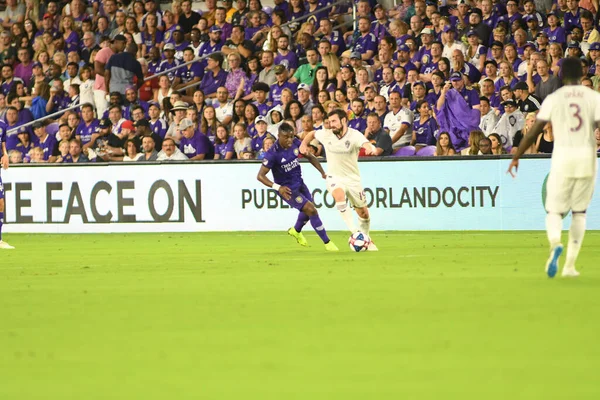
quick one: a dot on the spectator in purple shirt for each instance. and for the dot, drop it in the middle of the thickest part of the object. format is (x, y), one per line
(282, 82)
(284, 56)
(46, 142)
(214, 77)
(366, 43)
(24, 69)
(194, 145)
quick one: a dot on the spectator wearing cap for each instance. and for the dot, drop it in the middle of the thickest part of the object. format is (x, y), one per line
(195, 145)
(528, 51)
(214, 44)
(59, 99)
(115, 143)
(573, 50)
(467, 69)
(170, 152)
(188, 75)
(476, 24)
(590, 33)
(169, 62)
(476, 52)
(142, 129)
(592, 56)
(179, 110)
(260, 124)
(555, 32)
(548, 83)
(533, 27)
(489, 118)
(282, 83)
(334, 37)
(237, 43)
(461, 20)
(511, 123)
(457, 83)
(188, 18)
(122, 68)
(573, 15)
(423, 54)
(149, 152)
(398, 122)
(45, 142)
(366, 43)
(304, 98)
(450, 44)
(526, 102)
(404, 58)
(379, 27)
(214, 76)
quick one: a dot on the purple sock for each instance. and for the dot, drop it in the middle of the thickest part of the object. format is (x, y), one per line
(1, 222)
(302, 220)
(317, 225)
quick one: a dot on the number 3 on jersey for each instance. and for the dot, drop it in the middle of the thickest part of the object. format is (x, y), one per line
(576, 114)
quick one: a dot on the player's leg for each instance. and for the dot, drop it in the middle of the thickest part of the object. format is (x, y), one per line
(581, 198)
(356, 196)
(310, 210)
(338, 192)
(296, 230)
(3, 245)
(558, 189)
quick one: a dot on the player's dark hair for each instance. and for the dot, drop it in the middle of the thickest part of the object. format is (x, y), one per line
(286, 129)
(571, 70)
(340, 113)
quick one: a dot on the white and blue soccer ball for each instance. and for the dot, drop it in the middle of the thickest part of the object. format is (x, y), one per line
(359, 242)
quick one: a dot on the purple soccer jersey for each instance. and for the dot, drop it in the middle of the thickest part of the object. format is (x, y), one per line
(159, 127)
(85, 131)
(287, 172)
(276, 90)
(425, 132)
(359, 123)
(187, 74)
(196, 145)
(289, 61)
(223, 148)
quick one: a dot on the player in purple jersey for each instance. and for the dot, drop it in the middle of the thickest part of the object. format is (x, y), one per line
(4, 164)
(282, 159)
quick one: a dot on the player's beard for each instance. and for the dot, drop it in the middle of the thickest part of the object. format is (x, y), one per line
(336, 132)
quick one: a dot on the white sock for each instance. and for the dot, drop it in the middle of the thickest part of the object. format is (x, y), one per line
(364, 225)
(576, 234)
(553, 228)
(346, 214)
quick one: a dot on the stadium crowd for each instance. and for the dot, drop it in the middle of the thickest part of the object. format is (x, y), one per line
(458, 77)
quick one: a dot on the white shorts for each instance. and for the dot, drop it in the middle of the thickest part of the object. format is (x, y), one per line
(565, 193)
(353, 190)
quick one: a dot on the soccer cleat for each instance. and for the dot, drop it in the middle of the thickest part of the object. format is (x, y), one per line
(298, 236)
(552, 263)
(5, 246)
(570, 272)
(331, 246)
(372, 247)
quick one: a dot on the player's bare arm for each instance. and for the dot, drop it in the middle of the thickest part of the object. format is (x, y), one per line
(4, 160)
(527, 141)
(370, 149)
(306, 141)
(284, 191)
(315, 163)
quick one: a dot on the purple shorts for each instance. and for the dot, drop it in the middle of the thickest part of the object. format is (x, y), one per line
(1, 189)
(299, 198)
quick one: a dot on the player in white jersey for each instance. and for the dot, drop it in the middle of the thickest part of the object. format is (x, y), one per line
(574, 112)
(342, 145)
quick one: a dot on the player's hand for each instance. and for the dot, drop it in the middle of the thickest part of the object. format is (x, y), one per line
(324, 175)
(285, 192)
(303, 148)
(5, 161)
(514, 164)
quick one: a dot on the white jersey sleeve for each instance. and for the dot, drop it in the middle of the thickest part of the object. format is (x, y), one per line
(573, 111)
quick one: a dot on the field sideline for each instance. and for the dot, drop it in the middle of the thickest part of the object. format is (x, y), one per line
(247, 315)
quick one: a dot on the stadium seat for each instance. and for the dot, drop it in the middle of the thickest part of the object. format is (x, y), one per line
(404, 151)
(52, 128)
(426, 151)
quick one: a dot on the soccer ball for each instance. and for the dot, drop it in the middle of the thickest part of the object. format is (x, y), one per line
(359, 242)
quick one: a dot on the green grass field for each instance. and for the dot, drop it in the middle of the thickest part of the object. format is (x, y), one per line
(254, 316)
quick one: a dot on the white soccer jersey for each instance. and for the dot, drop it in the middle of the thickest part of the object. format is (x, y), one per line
(342, 153)
(573, 111)
(393, 122)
